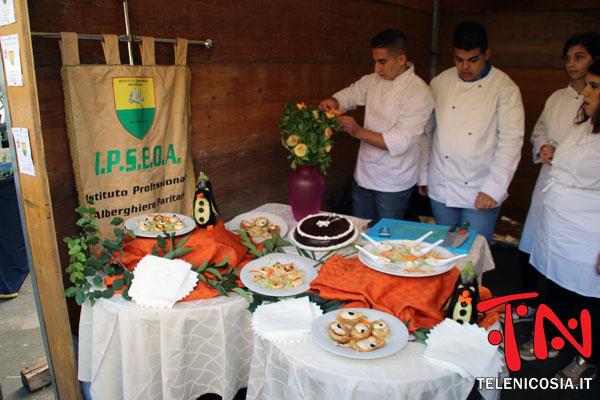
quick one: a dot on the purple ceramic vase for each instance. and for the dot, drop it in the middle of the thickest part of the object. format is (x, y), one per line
(305, 188)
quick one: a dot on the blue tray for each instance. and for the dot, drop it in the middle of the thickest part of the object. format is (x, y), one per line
(414, 230)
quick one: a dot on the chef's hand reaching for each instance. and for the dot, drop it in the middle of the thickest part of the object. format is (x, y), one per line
(349, 124)
(546, 153)
(484, 202)
(329, 104)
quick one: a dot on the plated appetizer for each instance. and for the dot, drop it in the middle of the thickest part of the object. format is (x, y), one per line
(352, 330)
(159, 223)
(278, 276)
(259, 227)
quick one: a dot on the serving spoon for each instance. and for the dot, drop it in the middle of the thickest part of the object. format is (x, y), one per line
(378, 259)
(378, 245)
(419, 252)
(435, 262)
(415, 243)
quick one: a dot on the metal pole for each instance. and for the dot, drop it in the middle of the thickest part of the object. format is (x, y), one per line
(435, 23)
(128, 32)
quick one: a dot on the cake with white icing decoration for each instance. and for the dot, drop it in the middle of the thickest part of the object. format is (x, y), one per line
(324, 231)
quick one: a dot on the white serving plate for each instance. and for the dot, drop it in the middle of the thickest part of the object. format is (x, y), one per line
(398, 270)
(234, 224)
(394, 341)
(303, 263)
(132, 223)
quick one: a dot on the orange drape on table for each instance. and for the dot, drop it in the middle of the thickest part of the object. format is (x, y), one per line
(209, 244)
(418, 299)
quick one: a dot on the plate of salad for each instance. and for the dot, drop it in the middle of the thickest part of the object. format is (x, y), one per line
(279, 274)
(405, 262)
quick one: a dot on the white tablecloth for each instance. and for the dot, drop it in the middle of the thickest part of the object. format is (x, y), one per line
(480, 253)
(197, 347)
(305, 371)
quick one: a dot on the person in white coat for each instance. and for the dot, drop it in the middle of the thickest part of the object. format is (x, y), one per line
(555, 123)
(472, 143)
(397, 105)
(566, 246)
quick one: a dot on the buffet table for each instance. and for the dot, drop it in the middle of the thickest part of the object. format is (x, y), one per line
(206, 346)
(197, 347)
(479, 253)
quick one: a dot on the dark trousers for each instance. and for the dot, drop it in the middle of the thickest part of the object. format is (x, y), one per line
(567, 304)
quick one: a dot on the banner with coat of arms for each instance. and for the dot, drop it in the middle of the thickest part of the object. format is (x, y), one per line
(129, 131)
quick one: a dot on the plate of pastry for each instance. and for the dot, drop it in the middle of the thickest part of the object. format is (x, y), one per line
(158, 224)
(259, 225)
(279, 274)
(360, 333)
(406, 259)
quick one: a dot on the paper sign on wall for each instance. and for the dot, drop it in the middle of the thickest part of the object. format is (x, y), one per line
(12, 59)
(7, 12)
(23, 150)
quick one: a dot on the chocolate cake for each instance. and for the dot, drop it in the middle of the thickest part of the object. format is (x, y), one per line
(324, 231)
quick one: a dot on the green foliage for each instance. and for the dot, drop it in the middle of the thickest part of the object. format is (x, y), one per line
(91, 257)
(272, 245)
(221, 276)
(306, 133)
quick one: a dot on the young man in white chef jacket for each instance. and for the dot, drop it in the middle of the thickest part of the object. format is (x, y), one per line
(472, 142)
(397, 105)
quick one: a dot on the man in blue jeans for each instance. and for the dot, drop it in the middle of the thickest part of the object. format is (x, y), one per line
(472, 142)
(397, 105)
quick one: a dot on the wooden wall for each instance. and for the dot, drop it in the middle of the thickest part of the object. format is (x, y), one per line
(265, 54)
(526, 39)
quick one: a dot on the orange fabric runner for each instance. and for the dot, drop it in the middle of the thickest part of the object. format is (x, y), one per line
(209, 244)
(419, 300)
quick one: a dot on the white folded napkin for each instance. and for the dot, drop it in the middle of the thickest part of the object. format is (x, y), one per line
(286, 321)
(160, 283)
(464, 349)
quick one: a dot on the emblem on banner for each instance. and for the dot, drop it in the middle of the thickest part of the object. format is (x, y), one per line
(135, 104)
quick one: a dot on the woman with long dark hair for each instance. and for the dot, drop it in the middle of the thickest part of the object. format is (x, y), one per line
(566, 248)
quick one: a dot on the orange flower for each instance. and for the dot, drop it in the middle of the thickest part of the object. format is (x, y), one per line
(300, 105)
(300, 150)
(328, 132)
(328, 148)
(292, 140)
(315, 114)
(336, 112)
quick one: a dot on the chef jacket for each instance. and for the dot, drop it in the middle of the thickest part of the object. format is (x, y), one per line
(398, 109)
(555, 123)
(473, 140)
(567, 241)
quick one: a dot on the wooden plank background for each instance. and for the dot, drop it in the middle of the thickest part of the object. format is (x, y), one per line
(265, 54)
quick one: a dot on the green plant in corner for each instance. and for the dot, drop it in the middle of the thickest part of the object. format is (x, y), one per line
(91, 256)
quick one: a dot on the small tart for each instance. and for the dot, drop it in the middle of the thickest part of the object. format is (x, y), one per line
(261, 221)
(369, 344)
(361, 331)
(349, 317)
(380, 328)
(339, 332)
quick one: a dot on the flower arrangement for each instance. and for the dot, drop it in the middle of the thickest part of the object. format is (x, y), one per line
(306, 133)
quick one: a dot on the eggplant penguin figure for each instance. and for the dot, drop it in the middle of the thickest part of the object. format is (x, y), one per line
(463, 306)
(205, 209)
